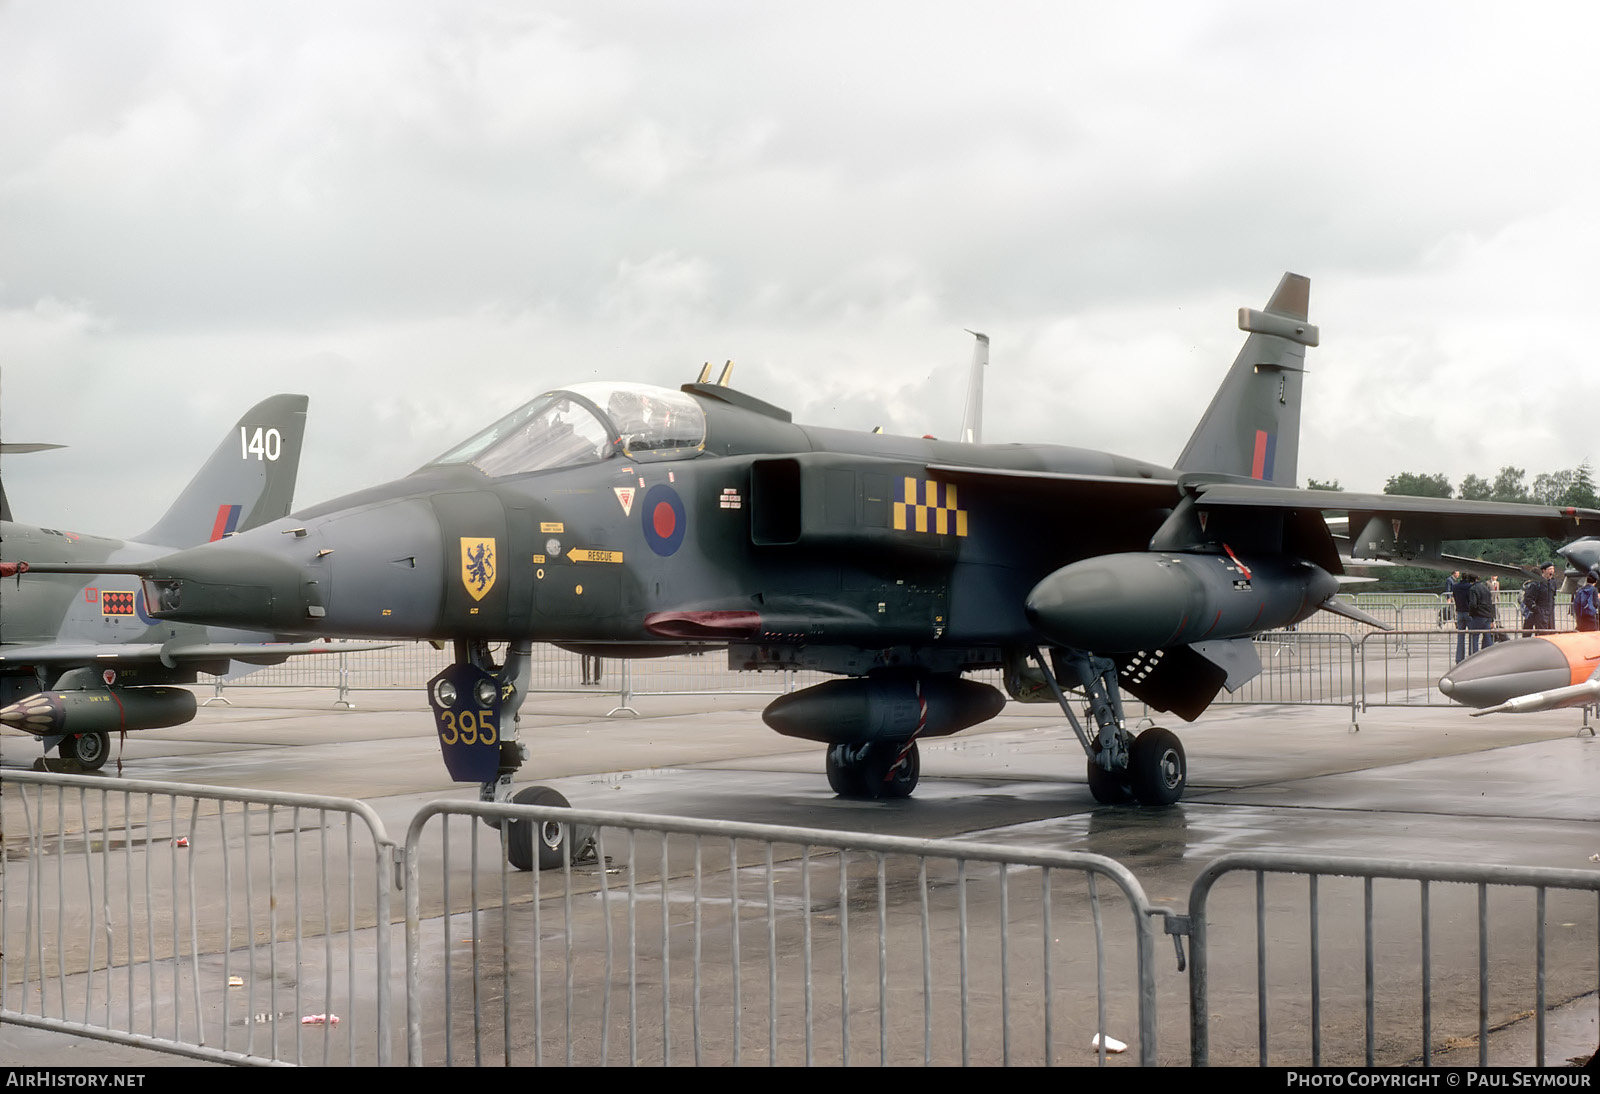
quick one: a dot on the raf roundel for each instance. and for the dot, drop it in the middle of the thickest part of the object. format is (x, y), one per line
(663, 519)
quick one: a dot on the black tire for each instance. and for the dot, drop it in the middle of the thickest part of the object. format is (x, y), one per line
(902, 780)
(528, 841)
(1109, 787)
(1157, 767)
(845, 772)
(88, 750)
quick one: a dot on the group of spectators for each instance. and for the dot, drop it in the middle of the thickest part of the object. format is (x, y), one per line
(1477, 607)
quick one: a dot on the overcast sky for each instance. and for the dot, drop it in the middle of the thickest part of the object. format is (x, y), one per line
(423, 213)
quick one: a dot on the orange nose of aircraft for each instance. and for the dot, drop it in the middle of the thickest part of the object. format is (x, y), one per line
(1509, 669)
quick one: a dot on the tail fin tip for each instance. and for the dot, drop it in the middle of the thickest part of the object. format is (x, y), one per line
(1292, 298)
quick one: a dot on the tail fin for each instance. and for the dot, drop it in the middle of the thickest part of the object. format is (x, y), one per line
(249, 480)
(972, 417)
(1251, 430)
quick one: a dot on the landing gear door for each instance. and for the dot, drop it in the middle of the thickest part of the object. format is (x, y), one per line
(466, 712)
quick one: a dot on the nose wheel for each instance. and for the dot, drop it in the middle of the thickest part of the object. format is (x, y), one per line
(542, 844)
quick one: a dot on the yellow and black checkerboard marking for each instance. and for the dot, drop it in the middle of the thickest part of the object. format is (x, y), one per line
(116, 603)
(930, 514)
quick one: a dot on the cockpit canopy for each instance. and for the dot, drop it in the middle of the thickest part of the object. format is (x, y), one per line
(586, 423)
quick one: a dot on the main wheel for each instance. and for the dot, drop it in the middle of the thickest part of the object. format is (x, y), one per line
(1109, 787)
(888, 776)
(542, 841)
(1157, 767)
(89, 750)
(845, 771)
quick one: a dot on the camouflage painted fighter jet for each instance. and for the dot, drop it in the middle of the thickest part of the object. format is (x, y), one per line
(81, 656)
(632, 521)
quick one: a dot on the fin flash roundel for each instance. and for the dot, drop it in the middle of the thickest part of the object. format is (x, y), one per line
(477, 566)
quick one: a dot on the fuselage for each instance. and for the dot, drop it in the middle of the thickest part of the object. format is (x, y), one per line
(760, 531)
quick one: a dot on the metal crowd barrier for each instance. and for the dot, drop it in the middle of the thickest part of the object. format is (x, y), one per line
(1308, 984)
(101, 934)
(709, 942)
(720, 943)
(1300, 667)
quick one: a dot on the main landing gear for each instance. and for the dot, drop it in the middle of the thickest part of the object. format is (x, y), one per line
(1150, 769)
(877, 769)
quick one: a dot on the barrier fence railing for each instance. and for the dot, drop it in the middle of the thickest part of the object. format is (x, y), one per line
(721, 943)
(242, 927)
(102, 933)
(1301, 667)
(1336, 966)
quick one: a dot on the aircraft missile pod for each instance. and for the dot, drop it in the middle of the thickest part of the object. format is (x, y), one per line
(1154, 600)
(1545, 673)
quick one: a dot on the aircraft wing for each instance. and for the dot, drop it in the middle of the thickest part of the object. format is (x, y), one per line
(1410, 530)
(1430, 518)
(1444, 518)
(1444, 562)
(255, 653)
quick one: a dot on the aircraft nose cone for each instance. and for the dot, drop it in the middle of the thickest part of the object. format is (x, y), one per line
(1583, 554)
(246, 581)
(1506, 670)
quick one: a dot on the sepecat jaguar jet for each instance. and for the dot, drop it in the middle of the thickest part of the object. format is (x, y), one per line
(634, 521)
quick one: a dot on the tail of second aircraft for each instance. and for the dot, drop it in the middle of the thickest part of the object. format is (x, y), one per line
(1251, 430)
(249, 480)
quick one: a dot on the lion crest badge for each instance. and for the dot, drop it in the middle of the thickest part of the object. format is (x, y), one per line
(477, 566)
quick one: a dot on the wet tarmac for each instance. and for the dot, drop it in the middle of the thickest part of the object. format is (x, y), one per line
(1410, 784)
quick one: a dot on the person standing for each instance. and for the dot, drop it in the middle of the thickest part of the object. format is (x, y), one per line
(1480, 613)
(1539, 602)
(1461, 593)
(1495, 633)
(1586, 605)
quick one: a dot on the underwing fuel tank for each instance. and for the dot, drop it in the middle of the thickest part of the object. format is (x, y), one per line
(100, 710)
(884, 707)
(1152, 600)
